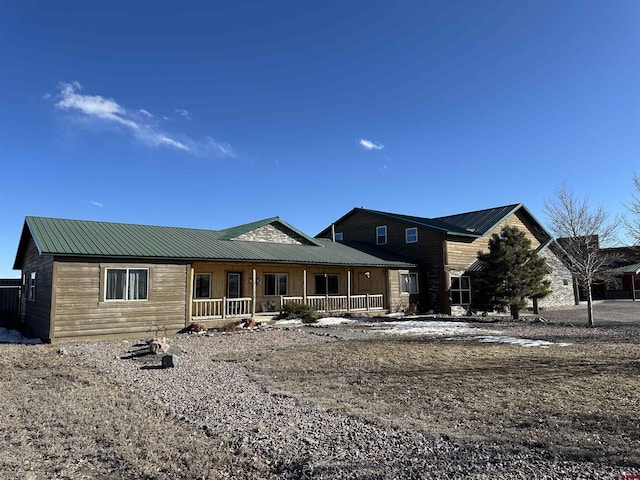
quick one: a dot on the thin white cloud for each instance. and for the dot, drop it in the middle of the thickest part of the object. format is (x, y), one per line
(370, 144)
(140, 122)
(97, 204)
(184, 113)
(211, 147)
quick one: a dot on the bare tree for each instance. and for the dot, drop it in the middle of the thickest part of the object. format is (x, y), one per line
(580, 230)
(633, 224)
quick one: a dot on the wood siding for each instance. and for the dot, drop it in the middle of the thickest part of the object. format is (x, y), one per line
(361, 227)
(361, 283)
(81, 309)
(36, 314)
(463, 252)
(428, 252)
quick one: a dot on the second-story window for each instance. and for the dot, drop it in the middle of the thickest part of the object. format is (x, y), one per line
(411, 235)
(381, 235)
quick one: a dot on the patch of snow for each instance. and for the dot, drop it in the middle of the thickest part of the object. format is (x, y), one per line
(292, 321)
(328, 321)
(428, 327)
(322, 322)
(523, 342)
(14, 336)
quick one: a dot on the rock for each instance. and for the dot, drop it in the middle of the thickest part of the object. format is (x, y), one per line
(170, 361)
(159, 346)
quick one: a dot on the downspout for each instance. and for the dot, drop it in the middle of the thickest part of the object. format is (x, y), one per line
(445, 279)
(52, 299)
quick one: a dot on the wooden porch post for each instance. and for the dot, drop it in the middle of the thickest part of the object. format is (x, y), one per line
(304, 286)
(190, 279)
(348, 290)
(633, 286)
(253, 293)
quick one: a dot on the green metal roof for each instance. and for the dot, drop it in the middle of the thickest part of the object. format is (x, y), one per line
(79, 238)
(633, 268)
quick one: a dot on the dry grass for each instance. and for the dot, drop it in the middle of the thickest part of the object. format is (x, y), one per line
(578, 402)
(60, 420)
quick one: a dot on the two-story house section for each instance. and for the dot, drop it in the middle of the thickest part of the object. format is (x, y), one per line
(445, 251)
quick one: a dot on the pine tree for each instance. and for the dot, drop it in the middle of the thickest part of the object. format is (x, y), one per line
(511, 273)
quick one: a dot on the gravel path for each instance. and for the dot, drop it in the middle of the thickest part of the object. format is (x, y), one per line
(289, 439)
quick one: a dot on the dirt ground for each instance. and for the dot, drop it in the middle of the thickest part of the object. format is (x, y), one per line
(578, 399)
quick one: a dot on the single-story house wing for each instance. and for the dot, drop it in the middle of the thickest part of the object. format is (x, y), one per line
(88, 279)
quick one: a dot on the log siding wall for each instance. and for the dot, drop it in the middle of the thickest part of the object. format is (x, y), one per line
(80, 309)
(36, 314)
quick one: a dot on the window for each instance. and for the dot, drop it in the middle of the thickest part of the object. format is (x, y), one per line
(275, 283)
(202, 287)
(565, 279)
(326, 284)
(411, 235)
(127, 284)
(460, 291)
(409, 283)
(381, 235)
(31, 292)
(339, 237)
(234, 284)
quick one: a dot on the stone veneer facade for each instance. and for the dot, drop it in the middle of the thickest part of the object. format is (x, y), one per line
(272, 234)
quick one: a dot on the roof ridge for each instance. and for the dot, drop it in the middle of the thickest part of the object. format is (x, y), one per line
(511, 206)
(109, 222)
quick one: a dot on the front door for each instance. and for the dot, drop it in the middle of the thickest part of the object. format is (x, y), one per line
(234, 290)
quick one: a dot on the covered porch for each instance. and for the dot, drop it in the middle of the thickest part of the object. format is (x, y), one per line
(228, 291)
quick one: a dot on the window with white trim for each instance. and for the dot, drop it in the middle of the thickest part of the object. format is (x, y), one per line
(460, 291)
(409, 283)
(411, 235)
(202, 287)
(381, 235)
(126, 284)
(275, 283)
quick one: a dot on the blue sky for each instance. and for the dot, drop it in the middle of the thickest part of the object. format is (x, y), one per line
(214, 114)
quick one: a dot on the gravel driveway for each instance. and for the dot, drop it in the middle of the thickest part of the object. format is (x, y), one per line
(288, 438)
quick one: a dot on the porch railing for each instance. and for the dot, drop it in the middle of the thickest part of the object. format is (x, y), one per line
(204, 308)
(339, 303)
(214, 308)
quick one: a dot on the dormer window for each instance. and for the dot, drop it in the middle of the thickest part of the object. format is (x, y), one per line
(411, 235)
(381, 235)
